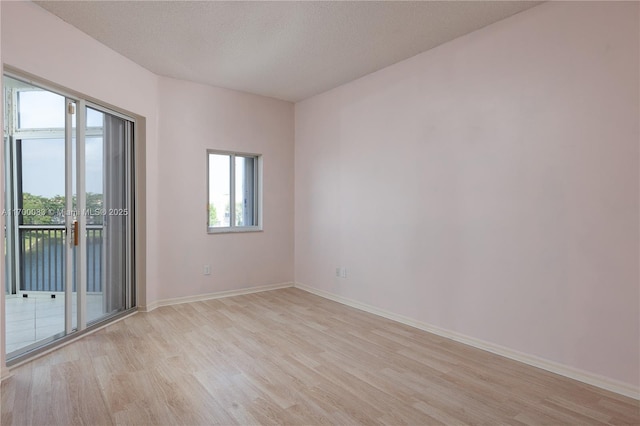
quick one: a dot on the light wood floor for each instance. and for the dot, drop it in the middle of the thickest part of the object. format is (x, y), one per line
(288, 357)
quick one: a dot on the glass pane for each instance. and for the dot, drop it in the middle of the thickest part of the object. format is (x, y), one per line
(35, 195)
(95, 118)
(244, 179)
(39, 109)
(42, 177)
(107, 215)
(41, 250)
(94, 203)
(94, 182)
(219, 190)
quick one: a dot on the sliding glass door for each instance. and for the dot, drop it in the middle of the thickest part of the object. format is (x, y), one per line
(68, 214)
(108, 214)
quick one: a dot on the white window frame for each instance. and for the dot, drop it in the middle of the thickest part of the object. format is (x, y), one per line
(257, 193)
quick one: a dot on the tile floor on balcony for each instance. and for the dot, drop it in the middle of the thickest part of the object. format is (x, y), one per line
(38, 317)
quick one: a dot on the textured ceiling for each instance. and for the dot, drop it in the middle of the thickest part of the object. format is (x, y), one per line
(285, 50)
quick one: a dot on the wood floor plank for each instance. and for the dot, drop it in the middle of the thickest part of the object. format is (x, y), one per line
(289, 357)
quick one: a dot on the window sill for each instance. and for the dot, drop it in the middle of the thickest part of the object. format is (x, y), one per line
(234, 230)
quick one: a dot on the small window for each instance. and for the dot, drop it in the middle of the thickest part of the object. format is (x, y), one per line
(233, 192)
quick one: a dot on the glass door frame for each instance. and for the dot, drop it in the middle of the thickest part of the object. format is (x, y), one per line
(79, 104)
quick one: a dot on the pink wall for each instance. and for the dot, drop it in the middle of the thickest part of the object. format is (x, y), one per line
(488, 187)
(194, 118)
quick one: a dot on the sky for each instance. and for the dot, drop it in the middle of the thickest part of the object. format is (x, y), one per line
(43, 166)
(43, 159)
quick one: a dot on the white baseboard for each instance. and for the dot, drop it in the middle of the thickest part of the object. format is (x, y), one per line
(554, 367)
(208, 296)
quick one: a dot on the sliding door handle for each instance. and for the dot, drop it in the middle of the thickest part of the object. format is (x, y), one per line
(75, 232)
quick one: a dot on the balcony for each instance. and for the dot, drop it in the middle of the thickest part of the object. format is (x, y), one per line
(35, 298)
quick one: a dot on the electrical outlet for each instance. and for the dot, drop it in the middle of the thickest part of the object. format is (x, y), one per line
(338, 272)
(343, 272)
(207, 270)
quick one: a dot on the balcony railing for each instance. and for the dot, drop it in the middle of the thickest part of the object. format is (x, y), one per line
(42, 258)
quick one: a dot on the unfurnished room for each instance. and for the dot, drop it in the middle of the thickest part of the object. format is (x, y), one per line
(320, 212)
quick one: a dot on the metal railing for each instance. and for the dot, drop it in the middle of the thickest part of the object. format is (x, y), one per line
(42, 258)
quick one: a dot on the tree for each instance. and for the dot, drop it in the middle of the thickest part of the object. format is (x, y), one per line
(213, 215)
(239, 217)
(35, 210)
(39, 210)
